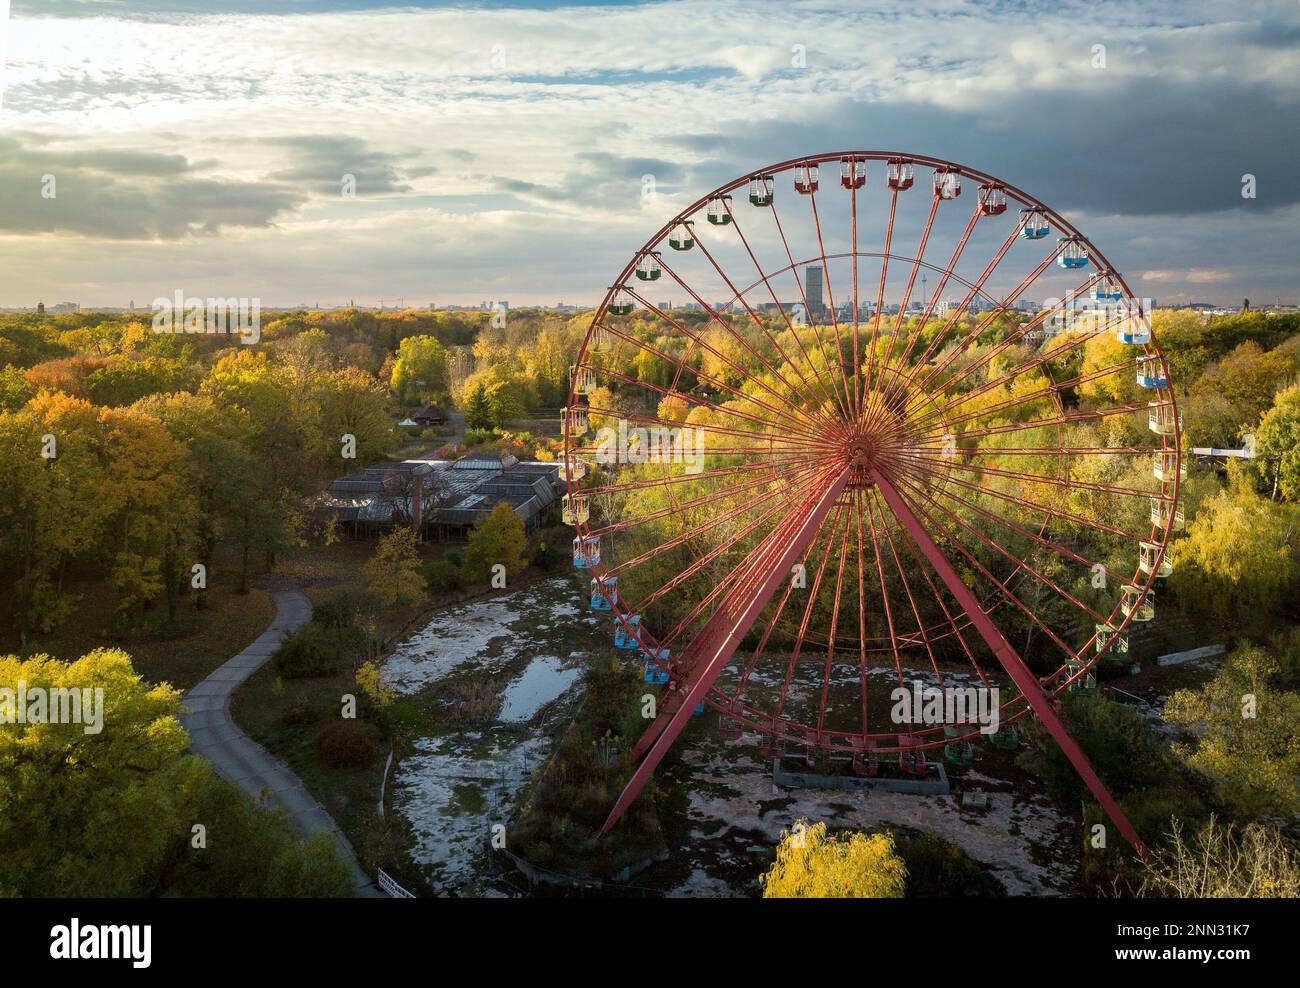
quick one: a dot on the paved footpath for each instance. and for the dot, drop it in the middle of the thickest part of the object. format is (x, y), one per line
(237, 757)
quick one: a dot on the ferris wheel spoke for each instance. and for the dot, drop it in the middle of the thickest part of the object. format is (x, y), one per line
(751, 564)
(716, 522)
(837, 379)
(830, 298)
(907, 293)
(835, 622)
(1052, 511)
(765, 479)
(1069, 418)
(853, 246)
(1020, 564)
(973, 289)
(1035, 363)
(809, 608)
(801, 444)
(887, 389)
(911, 600)
(884, 596)
(1054, 388)
(862, 618)
(745, 344)
(793, 411)
(1060, 550)
(741, 298)
(999, 310)
(1011, 662)
(734, 622)
(1021, 333)
(781, 417)
(765, 278)
(949, 618)
(880, 292)
(936, 467)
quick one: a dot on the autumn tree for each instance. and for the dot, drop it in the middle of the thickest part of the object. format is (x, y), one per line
(420, 370)
(392, 574)
(497, 539)
(1277, 444)
(811, 864)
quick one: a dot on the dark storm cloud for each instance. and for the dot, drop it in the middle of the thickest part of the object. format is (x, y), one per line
(1139, 147)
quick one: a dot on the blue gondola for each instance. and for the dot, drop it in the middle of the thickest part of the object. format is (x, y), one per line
(656, 670)
(586, 551)
(1073, 255)
(1150, 373)
(627, 632)
(1033, 224)
(603, 593)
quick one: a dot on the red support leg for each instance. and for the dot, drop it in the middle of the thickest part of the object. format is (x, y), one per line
(720, 636)
(1011, 661)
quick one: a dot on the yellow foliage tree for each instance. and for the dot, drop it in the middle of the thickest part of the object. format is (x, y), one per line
(810, 864)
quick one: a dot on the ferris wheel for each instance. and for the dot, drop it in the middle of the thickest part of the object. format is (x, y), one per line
(823, 436)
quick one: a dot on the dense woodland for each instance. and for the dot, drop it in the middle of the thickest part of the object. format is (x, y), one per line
(131, 458)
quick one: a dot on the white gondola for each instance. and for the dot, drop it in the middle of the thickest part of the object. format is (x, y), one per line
(900, 174)
(806, 179)
(1161, 418)
(586, 551)
(1108, 636)
(761, 190)
(1134, 329)
(992, 199)
(853, 173)
(1073, 254)
(1134, 605)
(573, 422)
(681, 237)
(575, 509)
(718, 211)
(1148, 553)
(600, 337)
(1166, 464)
(1164, 511)
(947, 183)
(620, 304)
(584, 380)
(647, 268)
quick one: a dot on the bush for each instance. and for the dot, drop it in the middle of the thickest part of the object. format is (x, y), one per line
(316, 650)
(339, 611)
(441, 576)
(349, 743)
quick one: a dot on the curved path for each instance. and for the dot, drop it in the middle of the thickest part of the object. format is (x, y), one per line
(237, 757)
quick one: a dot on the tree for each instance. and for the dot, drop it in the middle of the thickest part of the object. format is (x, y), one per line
(1277, 444)
(1244, 733)
(112, 812)
(478, 409)
(392, 575)
(1238, 564)
(420, 369)
(813, 865)
(497, 539)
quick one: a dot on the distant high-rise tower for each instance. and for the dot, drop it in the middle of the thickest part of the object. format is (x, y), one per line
(812, 281)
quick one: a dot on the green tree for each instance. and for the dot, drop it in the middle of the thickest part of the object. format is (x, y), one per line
(1277, 444)
(498, 539)
(810, 864)
(420, 369)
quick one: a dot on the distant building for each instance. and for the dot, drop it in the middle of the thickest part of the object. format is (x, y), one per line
(812, 281)
(444, 499)
(430, 415)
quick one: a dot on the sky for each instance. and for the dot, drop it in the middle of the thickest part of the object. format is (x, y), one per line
(500, 150)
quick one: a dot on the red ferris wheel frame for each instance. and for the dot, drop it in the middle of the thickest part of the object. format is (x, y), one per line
(852, 457)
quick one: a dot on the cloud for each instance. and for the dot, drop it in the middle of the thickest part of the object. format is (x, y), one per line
(223, 119)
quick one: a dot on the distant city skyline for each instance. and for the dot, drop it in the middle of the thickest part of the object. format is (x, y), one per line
(329, 150)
